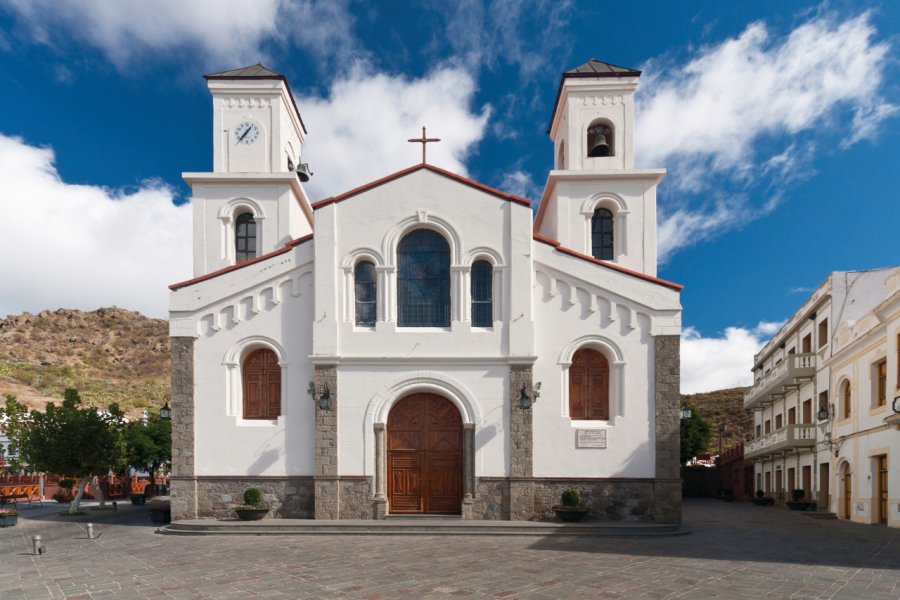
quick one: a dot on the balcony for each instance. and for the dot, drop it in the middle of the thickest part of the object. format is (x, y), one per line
(791, 437)
(793, 370)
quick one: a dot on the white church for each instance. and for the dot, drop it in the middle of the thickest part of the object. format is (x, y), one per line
(425, 344)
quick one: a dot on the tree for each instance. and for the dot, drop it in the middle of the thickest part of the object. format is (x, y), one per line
(695, 434)
(149, 444)
(67, 439)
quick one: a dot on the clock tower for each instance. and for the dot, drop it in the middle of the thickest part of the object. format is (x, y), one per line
(253, 201)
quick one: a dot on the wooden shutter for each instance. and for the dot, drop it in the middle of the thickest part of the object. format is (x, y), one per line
(589, 386)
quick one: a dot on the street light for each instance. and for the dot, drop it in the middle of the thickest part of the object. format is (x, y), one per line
(685, 412)
(165, 413)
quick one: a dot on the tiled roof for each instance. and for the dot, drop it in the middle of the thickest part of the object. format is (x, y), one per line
(258, 71)
(592, 68)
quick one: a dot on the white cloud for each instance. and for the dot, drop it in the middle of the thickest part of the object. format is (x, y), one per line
(520, 183)
(360, 129)
(83, 246)
(746, 114)
(716, 363)
(225, 33)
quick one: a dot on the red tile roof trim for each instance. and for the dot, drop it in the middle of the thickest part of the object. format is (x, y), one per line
(246, 263)
(433, 169)
(558, 246)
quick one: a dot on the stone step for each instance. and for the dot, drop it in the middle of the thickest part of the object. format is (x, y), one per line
(417, 526)
(819, 515)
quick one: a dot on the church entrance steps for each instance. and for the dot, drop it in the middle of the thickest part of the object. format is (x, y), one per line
(416, 525)
(819, 515)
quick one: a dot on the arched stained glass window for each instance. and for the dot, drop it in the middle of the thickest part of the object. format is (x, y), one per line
(423, 280)
(482, 294)
(602, 234)
(364, 277)
(244, 237)
(261, 376)
(589, 386)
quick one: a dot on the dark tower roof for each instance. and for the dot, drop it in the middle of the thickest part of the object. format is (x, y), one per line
(258, 71)
(591, 69)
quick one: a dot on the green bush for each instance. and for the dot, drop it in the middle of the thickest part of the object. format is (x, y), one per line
(252, 496)
(570, 497)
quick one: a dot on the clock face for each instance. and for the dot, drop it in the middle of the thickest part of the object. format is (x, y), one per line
(246, 133)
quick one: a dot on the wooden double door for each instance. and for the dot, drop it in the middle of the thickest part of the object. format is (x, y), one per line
(424, 456)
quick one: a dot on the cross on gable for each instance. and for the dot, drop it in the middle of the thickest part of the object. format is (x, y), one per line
(423, 140)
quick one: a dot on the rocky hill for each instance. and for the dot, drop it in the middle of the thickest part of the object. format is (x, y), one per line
(109, 355)
(724, 407)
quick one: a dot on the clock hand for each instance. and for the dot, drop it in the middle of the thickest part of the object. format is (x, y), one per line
(243, 135)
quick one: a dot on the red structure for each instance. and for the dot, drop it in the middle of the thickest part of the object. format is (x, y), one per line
(736, 473)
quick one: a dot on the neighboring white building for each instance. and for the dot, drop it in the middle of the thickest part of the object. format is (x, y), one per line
(826, 398)
(381, 351)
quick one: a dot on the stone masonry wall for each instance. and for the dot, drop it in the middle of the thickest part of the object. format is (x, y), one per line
(327, 489)
(491, 502)
(630, 500)
(288, 497)
(667, 382)
(521, 444)
(183, 489)
(356, 499)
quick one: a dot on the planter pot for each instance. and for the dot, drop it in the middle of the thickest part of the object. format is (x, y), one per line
(799, 505)
(251, 514)
(8, 520)
(161, 517)
(571, 515)
(138, 499)
(764, 501)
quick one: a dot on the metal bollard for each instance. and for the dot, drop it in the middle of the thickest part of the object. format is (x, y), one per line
(36, 546)
(90, 530)
(115, 506)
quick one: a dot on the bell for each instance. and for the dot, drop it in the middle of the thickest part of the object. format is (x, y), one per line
(600, 147)
(303, 172)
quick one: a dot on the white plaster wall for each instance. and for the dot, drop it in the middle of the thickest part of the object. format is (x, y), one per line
(573, 303)
(265, 303)
(368, 391)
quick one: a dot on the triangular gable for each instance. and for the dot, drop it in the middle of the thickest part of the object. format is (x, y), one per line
(413, 169)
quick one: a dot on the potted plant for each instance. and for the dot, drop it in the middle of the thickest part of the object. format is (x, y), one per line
(761, 499)
(798, 503)
(253, 508)
(571, 510)
(8, 517)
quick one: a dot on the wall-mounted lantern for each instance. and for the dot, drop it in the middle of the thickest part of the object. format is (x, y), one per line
(321, 397)
(165, 413)
(685, 412)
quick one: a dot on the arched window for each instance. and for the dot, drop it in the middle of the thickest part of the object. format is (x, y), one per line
(589, 386)
(423, 280)
(244, 237)
(600, 140)
(846, 400)
(602, 234)
(482, 294)
(261, 375)
(364, 277)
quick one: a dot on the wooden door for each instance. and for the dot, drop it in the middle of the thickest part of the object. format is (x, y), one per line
(589, 386)
(424, 456)
(882, 489)
(848, 494)
(807, 483)
(825, 486)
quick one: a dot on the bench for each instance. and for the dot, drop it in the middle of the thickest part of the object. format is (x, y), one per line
(14, 493)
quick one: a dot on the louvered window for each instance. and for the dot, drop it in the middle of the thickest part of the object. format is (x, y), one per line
(589, 386)
(262, 385)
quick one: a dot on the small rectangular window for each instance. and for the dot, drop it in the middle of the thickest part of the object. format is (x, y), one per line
(807, 411)
(823, 402)
(823, 333)
(792, 416)
(807, 343)
(768, 426)
(778, 422)
(881, 383)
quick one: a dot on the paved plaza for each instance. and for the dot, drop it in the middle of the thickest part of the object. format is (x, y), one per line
(734, 551)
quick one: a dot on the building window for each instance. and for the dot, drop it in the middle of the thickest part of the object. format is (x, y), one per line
(792, 416)
(807, 411)
(365, 292)
(482, 294)
(262, 385)
(602, 234)
(807, 343)
(881, 383)
(423, 280)
(823, 333)
(589, 386)
(768, 427)
(244, 237)
(778, 422)
(758, 430)
(823, 402)
(846, 405)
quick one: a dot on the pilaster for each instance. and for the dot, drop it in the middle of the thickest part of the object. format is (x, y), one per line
(521, 488)
(184, 486)
(327, 489)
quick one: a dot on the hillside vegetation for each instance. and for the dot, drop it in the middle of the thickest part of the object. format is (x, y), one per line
(109, 355)
(724, 407)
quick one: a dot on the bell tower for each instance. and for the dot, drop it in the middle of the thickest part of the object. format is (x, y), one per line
(253, 201)
(595, 201)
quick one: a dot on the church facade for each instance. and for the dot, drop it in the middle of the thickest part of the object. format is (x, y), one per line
(424, 344)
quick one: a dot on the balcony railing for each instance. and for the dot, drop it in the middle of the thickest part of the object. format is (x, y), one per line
(790, 437)
(793, 369)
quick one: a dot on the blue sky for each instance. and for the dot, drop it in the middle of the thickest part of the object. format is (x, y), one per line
(779, 127)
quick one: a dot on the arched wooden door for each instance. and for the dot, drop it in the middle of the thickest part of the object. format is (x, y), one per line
(425, 456)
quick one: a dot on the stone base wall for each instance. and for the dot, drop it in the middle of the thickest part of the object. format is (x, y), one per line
(357, 501)
(629, 500)
(491, 501)
(215, 497)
